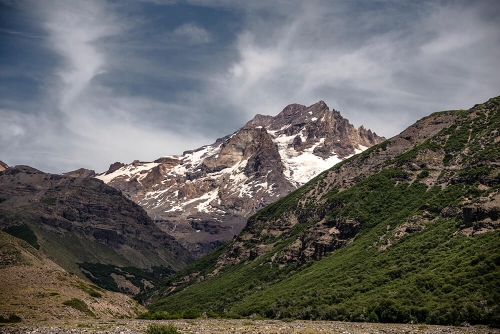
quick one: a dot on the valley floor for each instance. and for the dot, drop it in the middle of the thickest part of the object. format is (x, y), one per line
(236, 326)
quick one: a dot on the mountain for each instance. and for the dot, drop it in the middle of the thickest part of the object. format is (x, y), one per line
(88, 228)
(34, 288)
(407, 231)
(204, 196)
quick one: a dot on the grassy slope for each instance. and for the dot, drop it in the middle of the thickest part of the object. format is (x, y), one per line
(36, 289)
(435, 275)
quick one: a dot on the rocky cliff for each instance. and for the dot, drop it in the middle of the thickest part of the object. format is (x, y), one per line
(204, 196)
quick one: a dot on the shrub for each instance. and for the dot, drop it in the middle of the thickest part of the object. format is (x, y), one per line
(158, 316)
(48, 201)
(79, 305)
(23, 232)
(161, 329)
(191, 314)
(423, 174)
(12, 318)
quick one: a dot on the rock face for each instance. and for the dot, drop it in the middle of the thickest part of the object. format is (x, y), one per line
(3, 166)
(82, 172)
(439, 164)
(204, 196)
(82, 220)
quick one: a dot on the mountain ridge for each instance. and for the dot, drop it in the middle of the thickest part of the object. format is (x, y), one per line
(83, 224)
(407, 231)
(205, 196)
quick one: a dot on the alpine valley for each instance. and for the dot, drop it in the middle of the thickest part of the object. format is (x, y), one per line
(407, 231)
(205, 196)
(296, 216)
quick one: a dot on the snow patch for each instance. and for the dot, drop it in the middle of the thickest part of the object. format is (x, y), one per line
(128, 172)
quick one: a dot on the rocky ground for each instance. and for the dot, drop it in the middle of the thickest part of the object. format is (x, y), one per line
(236, 326)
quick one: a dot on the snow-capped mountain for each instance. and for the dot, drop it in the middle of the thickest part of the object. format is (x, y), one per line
(204, 196)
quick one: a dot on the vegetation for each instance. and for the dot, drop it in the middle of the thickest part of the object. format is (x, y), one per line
(100, 274)
(427, 277)
(23, 232)
(90, 290)
(49, 201)
(161, 329)
(411, 261)
(10, 319)
(79, 305)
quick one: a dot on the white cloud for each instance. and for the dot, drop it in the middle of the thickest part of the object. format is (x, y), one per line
(377, 69)
(383, 66)
(82, 123)
(74, 28)
(192, 33)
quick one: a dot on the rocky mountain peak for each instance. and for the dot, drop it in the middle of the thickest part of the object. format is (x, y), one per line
(114, 166)
(205, 195)
(81, 173)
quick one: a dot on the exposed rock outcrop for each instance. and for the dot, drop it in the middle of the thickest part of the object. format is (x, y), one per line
(82, 173)
(3, 166)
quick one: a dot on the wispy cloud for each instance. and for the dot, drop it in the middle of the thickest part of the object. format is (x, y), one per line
(192, 33)
(83, 122)
(19, 33)
(74, 29)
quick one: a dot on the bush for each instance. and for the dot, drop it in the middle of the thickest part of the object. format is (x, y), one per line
(423, 174)
(161, 329)
(191, 314)
(212, 314)
(11, 319)
(233, 316)
(48, 201)
(23, 232)
(159, 316)
(79, 305)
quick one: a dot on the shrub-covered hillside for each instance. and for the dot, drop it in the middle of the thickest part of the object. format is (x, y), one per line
(407, 231)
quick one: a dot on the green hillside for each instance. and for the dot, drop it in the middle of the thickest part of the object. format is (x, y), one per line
(407, 231)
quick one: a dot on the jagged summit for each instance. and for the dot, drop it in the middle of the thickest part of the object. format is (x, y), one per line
(81, 173)
(205, 195)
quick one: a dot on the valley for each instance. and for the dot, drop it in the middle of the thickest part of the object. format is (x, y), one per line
(407, 231)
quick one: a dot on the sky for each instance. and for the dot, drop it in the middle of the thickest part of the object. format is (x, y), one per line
(88, 83)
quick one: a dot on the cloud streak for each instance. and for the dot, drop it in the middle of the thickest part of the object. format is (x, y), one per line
(192, 33)
(74, 28)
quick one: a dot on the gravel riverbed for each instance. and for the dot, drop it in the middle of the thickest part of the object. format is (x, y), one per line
(236, 326)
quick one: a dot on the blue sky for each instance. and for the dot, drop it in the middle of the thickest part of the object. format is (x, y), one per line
(88, 83)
